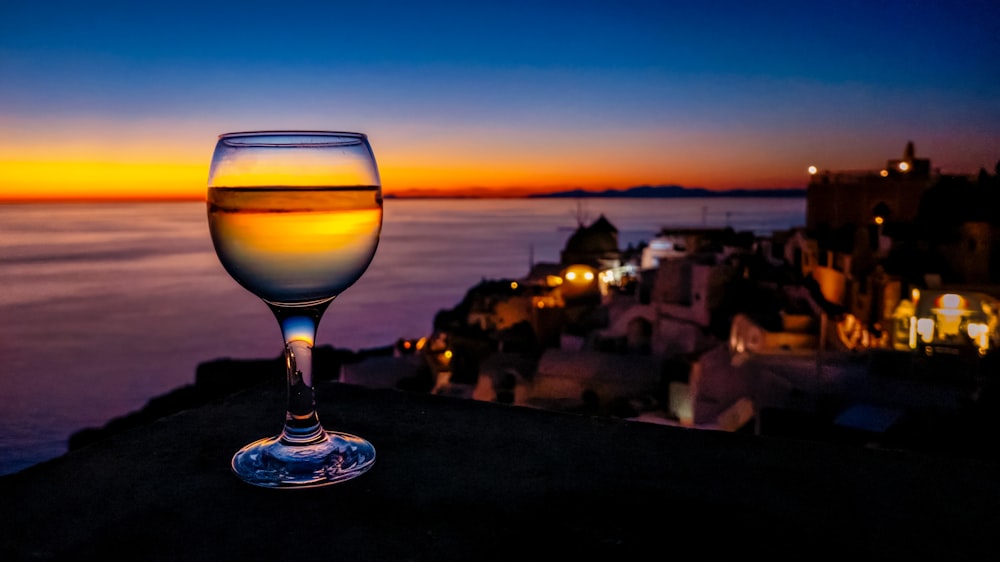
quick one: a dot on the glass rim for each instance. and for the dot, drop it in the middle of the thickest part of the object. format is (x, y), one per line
(294, 136)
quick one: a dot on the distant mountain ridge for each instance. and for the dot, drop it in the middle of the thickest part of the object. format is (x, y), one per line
(637, 192)
(675, 191)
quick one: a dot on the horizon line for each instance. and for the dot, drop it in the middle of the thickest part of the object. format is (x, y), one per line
(417, 193)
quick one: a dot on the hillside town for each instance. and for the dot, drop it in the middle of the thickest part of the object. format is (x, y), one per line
(874, 323)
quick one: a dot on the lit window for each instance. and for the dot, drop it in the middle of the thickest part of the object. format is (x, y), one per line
(579, 274)
(925, 327)
(951, 300)
(976, 329)
(979, 333)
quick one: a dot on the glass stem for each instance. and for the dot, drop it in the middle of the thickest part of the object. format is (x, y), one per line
(298, 327)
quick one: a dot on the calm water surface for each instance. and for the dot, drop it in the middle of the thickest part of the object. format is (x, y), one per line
(103, 306)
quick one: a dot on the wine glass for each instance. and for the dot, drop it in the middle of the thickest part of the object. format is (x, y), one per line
(295, 218)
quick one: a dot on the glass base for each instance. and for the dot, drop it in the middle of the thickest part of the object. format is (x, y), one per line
(274, 463)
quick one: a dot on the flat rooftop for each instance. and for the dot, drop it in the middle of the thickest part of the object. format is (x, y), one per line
(458, 479)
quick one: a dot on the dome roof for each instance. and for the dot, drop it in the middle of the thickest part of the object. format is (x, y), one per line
(601, 236)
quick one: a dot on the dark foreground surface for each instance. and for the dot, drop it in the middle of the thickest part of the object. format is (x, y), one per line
(458, 479)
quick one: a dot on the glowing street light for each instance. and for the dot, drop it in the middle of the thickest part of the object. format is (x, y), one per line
(579, 275)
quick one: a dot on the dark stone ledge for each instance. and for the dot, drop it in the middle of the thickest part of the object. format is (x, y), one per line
(458, 479)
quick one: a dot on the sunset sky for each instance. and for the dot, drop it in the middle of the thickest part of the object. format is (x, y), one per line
(127, 98)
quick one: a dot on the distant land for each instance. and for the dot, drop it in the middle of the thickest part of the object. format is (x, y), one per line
(675, 191)
(637, 192)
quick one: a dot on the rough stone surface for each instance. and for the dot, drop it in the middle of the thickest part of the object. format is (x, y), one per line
(459, 479)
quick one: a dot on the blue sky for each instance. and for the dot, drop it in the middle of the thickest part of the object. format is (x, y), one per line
(509, 94)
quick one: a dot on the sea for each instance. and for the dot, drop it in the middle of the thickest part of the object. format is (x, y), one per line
(104, 306)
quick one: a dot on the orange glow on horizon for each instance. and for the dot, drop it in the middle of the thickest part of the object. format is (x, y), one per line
(40, 180)
(97, 165)
(97, 158)
(51, 180)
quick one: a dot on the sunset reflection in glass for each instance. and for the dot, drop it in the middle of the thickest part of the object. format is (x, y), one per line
(295, 218)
